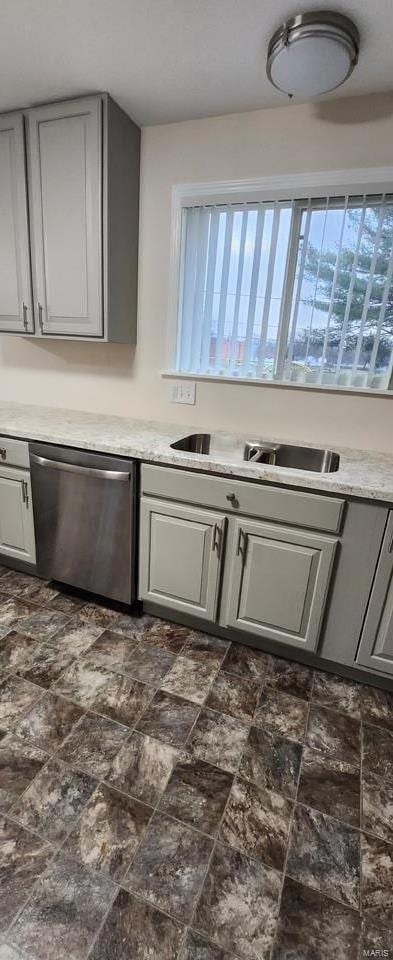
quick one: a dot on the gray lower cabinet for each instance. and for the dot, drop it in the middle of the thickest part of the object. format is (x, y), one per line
(16, 314)
(180, 557)
(277, 581)
(376, 643)
(16, 515)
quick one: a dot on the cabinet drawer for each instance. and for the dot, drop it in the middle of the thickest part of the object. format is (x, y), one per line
(14, 453)
(238, 497)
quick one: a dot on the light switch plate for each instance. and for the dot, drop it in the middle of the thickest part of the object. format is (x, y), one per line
(182, 391)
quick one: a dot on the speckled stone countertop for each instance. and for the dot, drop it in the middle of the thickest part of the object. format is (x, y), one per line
(360, 474)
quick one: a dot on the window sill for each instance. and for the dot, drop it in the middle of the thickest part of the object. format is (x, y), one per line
(281, 384)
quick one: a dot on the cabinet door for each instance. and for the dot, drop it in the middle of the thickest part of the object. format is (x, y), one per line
(16, 314)
(180, 557)
(277, 582)
(376, 644)
(16, 516)
(66, 180)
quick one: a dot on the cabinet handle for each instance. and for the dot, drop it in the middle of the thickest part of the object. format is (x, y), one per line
(40, 320)
(390, 547)
(218, 533)
(25, 493)
(232, 499)
(25, 320)
(3, 453)
(242, 544)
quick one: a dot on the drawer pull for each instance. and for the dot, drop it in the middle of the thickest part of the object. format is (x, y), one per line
(3, 453)
(232, 499)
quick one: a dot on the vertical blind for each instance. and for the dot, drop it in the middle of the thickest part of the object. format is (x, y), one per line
(291, 290)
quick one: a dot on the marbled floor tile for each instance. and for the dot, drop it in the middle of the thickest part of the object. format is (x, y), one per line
(168, 718)
(14, 613)
(280, 713)
(66, 603)
(16, 583)
(8, 952)
(49, 722)
(271, 761)
(142, 767)
(46, 664)
(113, 651)
(234, 696)
(99, 615)
(77, 636)
(218, 739)
(168, 636)
(149, 664)
(205, 648)
(23, 857)
(325, 855)
(108, 832)
(247, 662)
(330, 786)
(334, 736)
(338, 693)
(375, 937)
(16, 697)
(197, 948)
(239, 904)
(93, 745)
(37, 591)
(377, 797)
(19, 764)
(123, 699)
(129, 625)
(257, 821)
(137, 931)
(377, 752)
(83, 680)
(377, 879)
(43, 624)
(197, 793)
(313, 927)
(290, 677)
(15, 649)
(62, 916)
(190, 679)
(377, 707)
(53, 801)
(169, 867)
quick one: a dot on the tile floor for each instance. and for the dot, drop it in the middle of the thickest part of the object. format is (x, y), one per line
(165, 795)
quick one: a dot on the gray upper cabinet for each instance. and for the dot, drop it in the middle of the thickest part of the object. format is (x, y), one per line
(16, 315)
(83, 190)
(277, 582)
(376, 644)
(66, 216)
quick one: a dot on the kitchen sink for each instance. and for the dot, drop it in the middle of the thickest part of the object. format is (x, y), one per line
(287, 455)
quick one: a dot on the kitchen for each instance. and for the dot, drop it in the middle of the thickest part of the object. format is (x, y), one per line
(196, 490)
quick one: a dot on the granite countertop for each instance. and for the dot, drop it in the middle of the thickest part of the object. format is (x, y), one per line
(360, 474)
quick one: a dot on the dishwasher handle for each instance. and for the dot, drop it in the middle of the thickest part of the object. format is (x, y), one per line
(86, 471)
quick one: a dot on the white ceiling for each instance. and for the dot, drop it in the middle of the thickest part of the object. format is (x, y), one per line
(168, 60)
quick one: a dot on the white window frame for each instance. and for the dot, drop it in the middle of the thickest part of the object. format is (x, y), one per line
(301, 186)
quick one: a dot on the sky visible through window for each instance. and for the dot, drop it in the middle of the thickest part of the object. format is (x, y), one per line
(294, 290)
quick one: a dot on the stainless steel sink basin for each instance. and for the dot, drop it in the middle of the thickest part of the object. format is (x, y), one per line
(261, 451)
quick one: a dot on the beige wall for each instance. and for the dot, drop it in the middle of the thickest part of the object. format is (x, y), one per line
(117, 379)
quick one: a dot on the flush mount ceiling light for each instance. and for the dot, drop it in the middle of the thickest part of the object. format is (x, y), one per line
(312, 53)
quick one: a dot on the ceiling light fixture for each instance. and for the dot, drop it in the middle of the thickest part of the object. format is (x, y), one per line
(312, 53)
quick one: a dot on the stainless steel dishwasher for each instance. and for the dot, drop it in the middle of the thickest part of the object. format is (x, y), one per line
(84, 513)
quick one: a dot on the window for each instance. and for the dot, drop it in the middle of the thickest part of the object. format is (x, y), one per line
(297, 290)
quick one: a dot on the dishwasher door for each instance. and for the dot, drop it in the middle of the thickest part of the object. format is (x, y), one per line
(84, 513)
